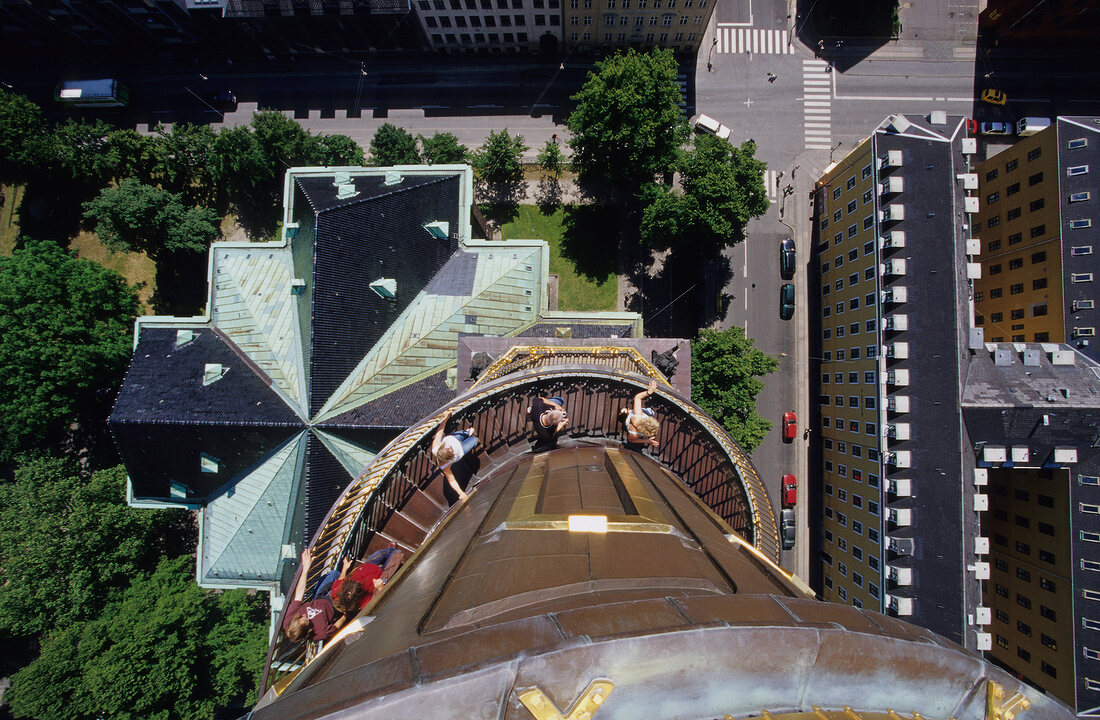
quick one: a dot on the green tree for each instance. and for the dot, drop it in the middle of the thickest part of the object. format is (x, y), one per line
(66, 331)
(82, 154)
(627, 125)
(138, 217)
(165, 650)
(392, 145)
(340, 150)
(135, 155)
(551, 158)
(443, 148)
(22, 133)
(184, 160)
(69, 544)
(498, 158)
(238, 165)
(282, 143)
(722, 190)
(725, 367)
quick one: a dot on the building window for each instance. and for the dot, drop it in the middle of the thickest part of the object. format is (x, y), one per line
(852, 230)
(1012, 214)
(995, 269)
(1080, 277)
(1080, 224)
(1015, 263)
(851, 183)
(1012, 189)
(1079, 197)
(1077, 170)
(1039, 310)
(1081, 250)
(1021, 573)
(1016, 289)
(992, 198)
(1023, 601)
(1024, 654)
(836, 192)
(1015, 238)
(1011, 165)
(991, 175)
(1023, 627)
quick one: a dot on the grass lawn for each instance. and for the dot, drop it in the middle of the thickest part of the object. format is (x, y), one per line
(575, 291)
(137, 268)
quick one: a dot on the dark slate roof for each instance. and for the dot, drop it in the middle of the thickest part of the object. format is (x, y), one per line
(164, 384)
(400, 408)
(163, 415)
(379, 236)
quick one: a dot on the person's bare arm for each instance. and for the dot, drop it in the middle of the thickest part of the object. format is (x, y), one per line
(644, 394)
(303, 577)
(454, 483)
(345, 566)
(439, 433)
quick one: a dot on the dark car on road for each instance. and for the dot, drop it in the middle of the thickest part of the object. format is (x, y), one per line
(787, 528)
(786, 258)
(786, 301)
(222, 101)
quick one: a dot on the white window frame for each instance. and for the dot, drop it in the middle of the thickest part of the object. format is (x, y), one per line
(1077, 143)
(1080, 196)
(1080, 277)
(1073, 170)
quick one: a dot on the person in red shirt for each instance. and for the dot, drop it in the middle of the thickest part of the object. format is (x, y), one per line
(316, 619)
(351, 592)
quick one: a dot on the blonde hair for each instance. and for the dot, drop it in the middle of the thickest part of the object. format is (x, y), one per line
(444, 454)
(646, 425)
(299, 628)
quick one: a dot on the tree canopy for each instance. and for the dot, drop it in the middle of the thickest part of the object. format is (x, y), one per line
(166, 649)
(69, 544)
(722, 189)
(627, 125)
(22, 132)
(138, 217)
(392, 145)
(498, 158)
(725, 367)
(551, 158)
(66, 328)
(443, 148)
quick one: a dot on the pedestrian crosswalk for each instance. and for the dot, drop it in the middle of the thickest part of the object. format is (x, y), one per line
(817, 104)
(771, 184)
(752, 40)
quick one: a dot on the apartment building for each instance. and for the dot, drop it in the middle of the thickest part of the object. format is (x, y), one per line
(608, 24)
(959, 478)
(493, 26)
(893, 279)
(1040, 275)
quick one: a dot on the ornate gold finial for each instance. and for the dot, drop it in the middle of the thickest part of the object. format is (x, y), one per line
(542, 708)
(997, 708)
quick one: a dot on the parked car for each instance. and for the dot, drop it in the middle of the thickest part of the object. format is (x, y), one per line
(788, 491)
(790, 425)
(786, 301)
(995, 127)
(972, 126)
(786, 258)
(787, 528)
(994, 96)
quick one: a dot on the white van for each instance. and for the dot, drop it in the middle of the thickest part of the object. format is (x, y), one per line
(1030, 125)
(707, 124)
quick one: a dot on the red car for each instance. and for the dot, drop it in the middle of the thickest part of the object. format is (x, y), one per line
(789, 491)
(790, 426)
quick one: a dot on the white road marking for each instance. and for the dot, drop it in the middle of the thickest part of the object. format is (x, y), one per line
(752, 40)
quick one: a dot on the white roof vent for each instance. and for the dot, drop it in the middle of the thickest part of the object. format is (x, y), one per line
(969, 146)
(937, 117)
(184, 336)
(440, 229)
(1031, 357)
(385, 288)
(898, 123)
(1061, 357)
(297, 286)
(393, 178)
(343, 192)
(208, 463)
(342, 177)
(969, 180)
(212, 373)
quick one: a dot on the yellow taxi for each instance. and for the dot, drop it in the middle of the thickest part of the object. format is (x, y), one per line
(993, 96)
